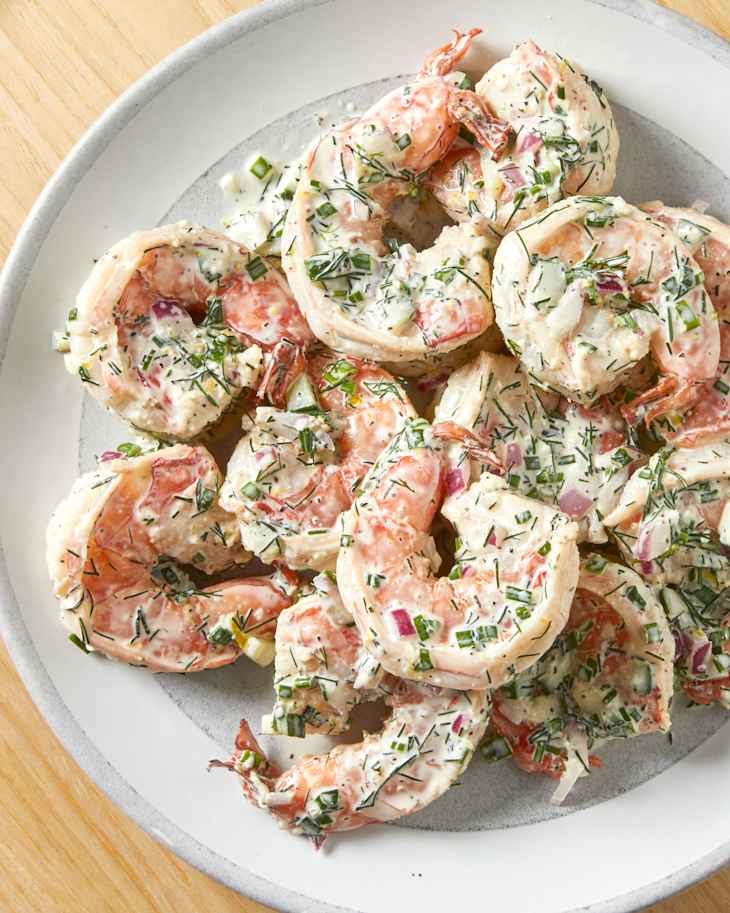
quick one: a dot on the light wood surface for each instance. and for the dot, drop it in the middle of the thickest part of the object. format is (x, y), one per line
(63, 845)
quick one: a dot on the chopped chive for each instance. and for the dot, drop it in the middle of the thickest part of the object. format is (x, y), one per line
(257, 268)
(260, 168)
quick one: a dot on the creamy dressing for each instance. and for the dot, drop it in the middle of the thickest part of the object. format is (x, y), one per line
(256, 207)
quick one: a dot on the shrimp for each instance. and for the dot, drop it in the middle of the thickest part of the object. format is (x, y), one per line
(294, 472)
(561, 453)
(566, 143)
(321, 669)
(609, 675)
(400, 307)
(169, 328)
(422, 749)
(673, 526)
(114, 550)
(586, 289)
(687, 416)
(503, 603)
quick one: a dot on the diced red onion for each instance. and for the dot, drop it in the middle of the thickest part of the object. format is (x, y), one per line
(698, 660)
(429, 383)
(574, 503)
(528, 141)
(646, 567)
(642, 549)
(110, 455)
(403, 622)
(164, 308)
(680, 645)
(456, 725)
(609, 282)
(455, 481)
(513, 176)
(514, 455)
(492, 538)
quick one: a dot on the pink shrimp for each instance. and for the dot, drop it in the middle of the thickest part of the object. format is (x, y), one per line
(423, 747)
(115, 549)
(566, 142)
(170, 326)
(587, 289)
(690, 415)
(503, 603)
(293, 473)
(403, 307)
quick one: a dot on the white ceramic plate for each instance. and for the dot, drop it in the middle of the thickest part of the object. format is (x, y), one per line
(646, 825)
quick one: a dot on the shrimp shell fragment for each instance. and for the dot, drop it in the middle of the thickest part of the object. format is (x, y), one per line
(502, 605)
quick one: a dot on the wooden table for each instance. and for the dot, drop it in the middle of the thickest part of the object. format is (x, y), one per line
(63, 845)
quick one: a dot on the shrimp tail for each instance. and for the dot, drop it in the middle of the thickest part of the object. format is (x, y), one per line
(474, 446)
(668, 395)
(251, 765)
(285, 364)
(444, 59)
(468, 109)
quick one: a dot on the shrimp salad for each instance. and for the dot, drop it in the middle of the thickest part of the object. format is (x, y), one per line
(478, 479)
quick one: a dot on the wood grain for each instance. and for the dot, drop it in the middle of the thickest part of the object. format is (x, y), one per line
(63, 845)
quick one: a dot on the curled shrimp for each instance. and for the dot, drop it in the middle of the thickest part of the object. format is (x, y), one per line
(294, 472)
(586, 289)
(115, 547)
(572, 457)
(609, 675)
(686, 414)
(170, 326)
(506, 598)
(321, 669)
(673, 526)
(566, 142)
(401, 307)
(423, 747)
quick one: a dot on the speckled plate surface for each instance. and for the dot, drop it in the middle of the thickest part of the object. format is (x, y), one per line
(644, 826)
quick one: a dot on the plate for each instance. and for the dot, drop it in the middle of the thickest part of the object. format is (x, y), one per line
(644, 826)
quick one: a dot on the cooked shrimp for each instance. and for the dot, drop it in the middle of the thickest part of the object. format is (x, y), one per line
(422, 749)
(170, 326)
(115, 546)
(566, 142)
(293, 473)
(609, 675)
(690, 416)
(402, 307)
(563, 454)
(321, 669)
(502, 605)
(586, 289)
(673, 525)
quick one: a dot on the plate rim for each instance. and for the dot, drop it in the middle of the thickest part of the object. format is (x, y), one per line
(17, 268)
